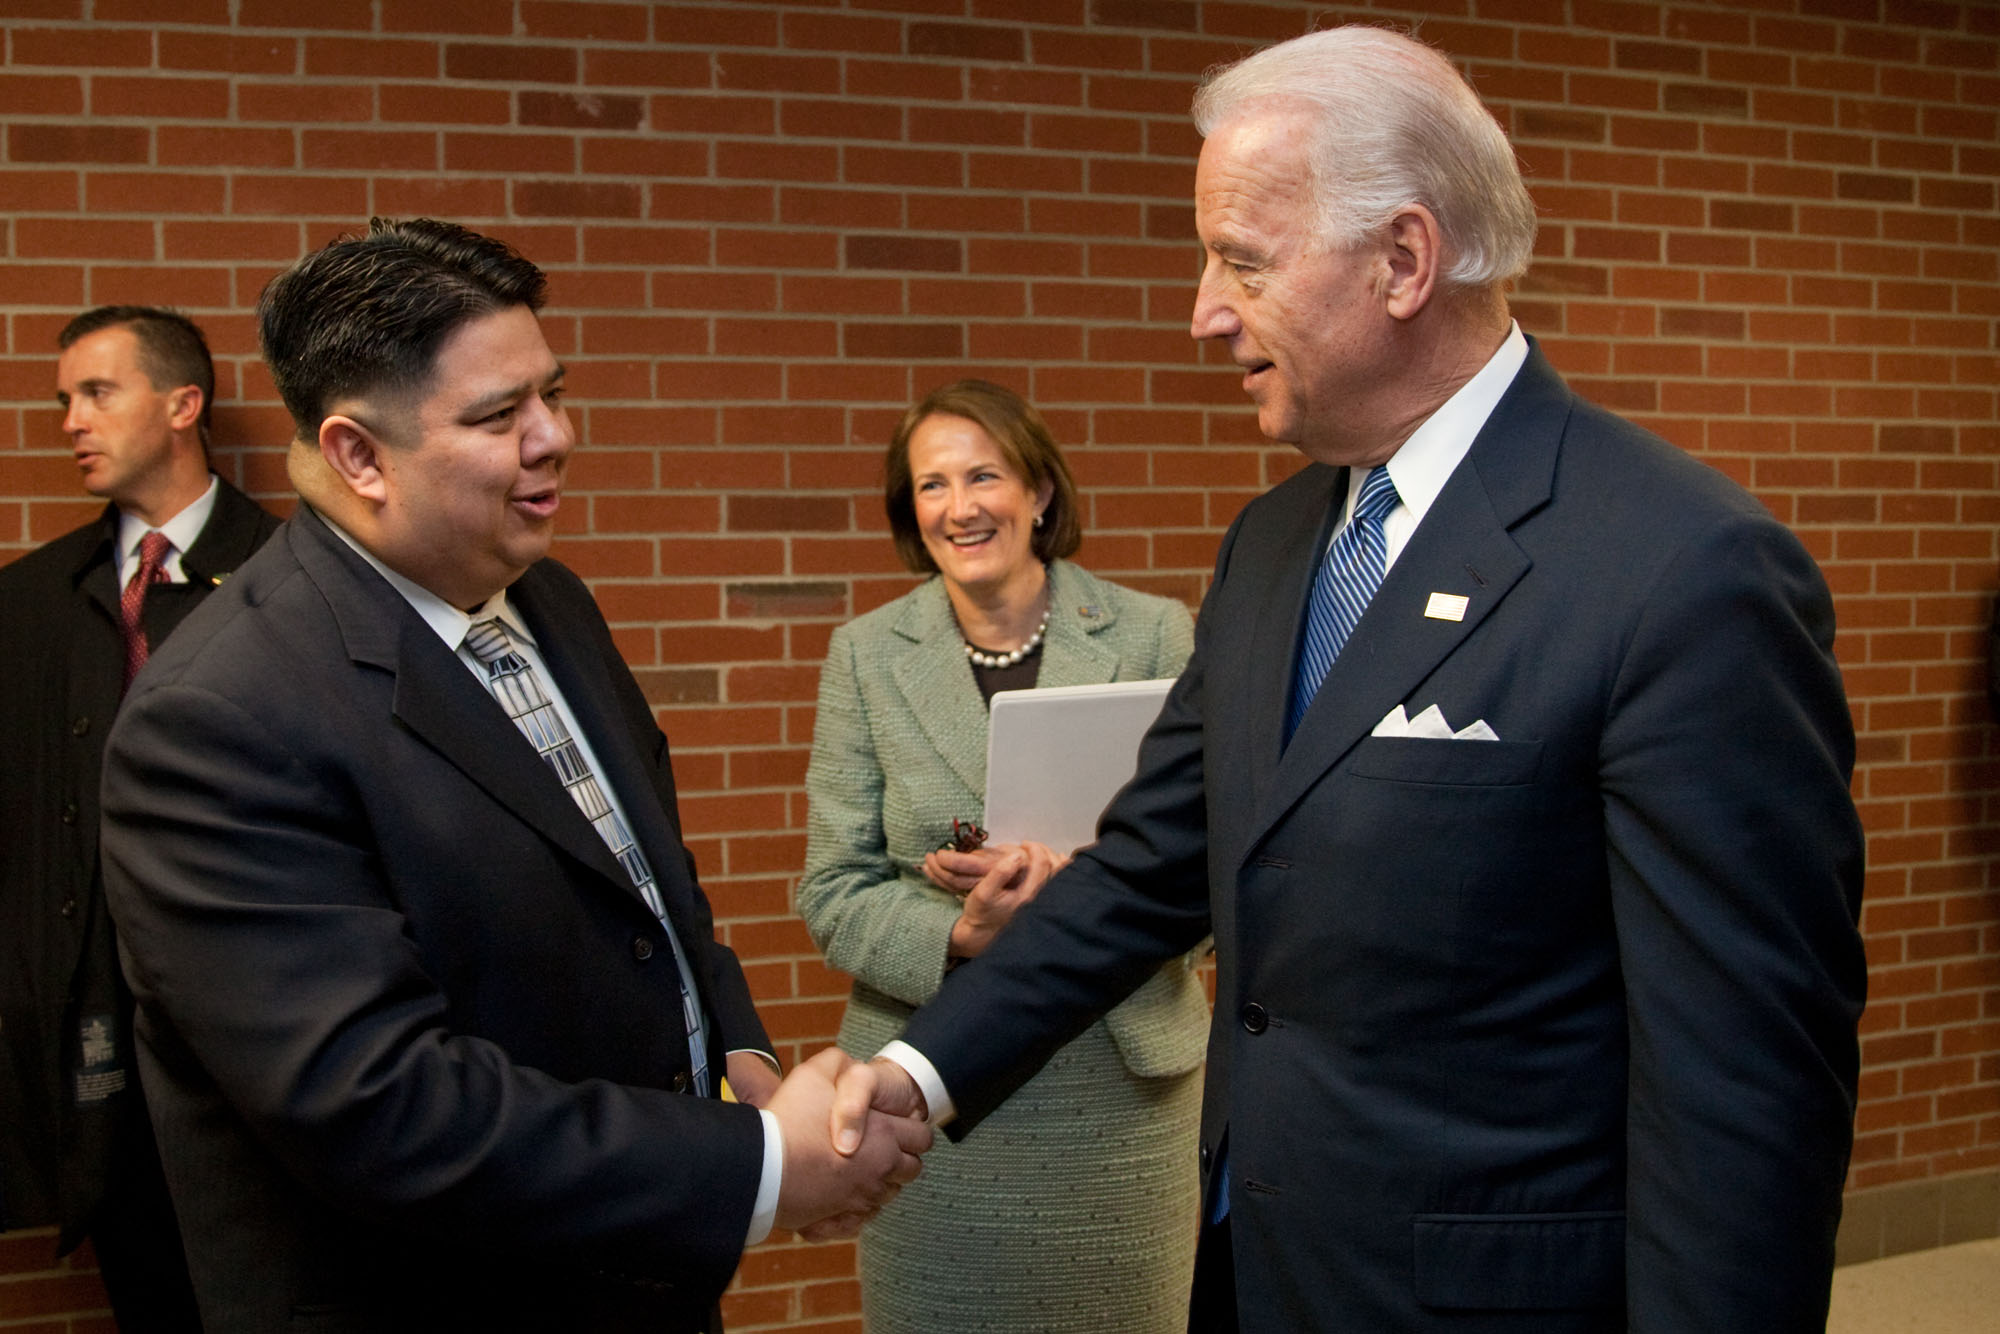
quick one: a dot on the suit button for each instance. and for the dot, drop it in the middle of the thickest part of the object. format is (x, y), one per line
(681, 1081)
(642, 948)
(80, 727)
(1205, 1156)
(68, 908)
(1255, 1018)
(69, 811)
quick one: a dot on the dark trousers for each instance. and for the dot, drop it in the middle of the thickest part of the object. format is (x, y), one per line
(1212, 1308)
(138, 1245)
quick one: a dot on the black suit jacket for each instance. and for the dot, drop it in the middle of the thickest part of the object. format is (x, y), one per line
(1550, 1033)
(59, 621)
(412, 1040)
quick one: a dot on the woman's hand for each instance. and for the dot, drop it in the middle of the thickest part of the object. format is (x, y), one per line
(960, 871)
(1012, 876)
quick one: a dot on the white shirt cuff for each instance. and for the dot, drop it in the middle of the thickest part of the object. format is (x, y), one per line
(764, 1214)
(920, 1069)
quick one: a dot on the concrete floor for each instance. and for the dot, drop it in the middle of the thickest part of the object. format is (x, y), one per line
(1950, 1290)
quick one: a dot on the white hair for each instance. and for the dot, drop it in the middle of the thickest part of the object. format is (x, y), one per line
(1393, 124)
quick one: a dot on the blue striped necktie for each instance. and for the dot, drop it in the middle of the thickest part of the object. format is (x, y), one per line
(1355, 563)
(514, 683)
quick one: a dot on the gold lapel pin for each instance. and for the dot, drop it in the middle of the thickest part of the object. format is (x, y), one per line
(1446, 607)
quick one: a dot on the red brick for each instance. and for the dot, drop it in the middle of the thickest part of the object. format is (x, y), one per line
(77, 143)
(82, 238)
(107, 48)
(156, 98)
(224, 146)
(372, 57)
(568, 20)
(429, 104)
(325, 14)
(537, 63)
(40, 94)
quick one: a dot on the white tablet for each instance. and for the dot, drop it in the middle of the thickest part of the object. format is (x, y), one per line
(1056, 757)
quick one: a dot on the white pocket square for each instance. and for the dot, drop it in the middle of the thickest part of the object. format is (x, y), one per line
(1430, 725)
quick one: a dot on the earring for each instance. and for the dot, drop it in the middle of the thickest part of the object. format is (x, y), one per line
(1038, 521)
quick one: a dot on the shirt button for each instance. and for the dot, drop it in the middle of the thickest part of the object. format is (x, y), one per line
(1255, 1018)
(80, 727)
(642, 948)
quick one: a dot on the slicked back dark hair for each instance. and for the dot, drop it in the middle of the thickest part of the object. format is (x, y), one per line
(1026, 444)
(172, 350)
(367, 314)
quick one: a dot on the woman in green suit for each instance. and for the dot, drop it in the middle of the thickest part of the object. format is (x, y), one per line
(1074, 1206)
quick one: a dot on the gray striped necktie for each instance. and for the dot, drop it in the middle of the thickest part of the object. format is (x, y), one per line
(515, 684)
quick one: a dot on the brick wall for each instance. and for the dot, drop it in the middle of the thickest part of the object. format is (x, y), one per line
(1770, 232)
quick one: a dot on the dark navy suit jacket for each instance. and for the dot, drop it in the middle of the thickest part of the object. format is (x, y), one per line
(413, 1042)
(1553, 1033)
(62, 1144)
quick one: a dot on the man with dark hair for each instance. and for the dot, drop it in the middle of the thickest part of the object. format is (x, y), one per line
(1510, 773)
(78, 616)
(429, 997)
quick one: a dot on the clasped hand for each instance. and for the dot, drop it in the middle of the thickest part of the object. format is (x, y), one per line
(826, 1193)
(994, 883)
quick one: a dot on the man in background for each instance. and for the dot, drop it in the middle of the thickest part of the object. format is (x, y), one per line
(1510, 773)
(78, 616)
(430, 1004)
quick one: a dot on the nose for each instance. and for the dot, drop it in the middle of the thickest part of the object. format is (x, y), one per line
(549, 435)
(73, 424)
(1213, 316)
(960, 505)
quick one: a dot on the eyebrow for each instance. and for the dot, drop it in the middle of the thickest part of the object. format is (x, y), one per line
(94, 382)
(486, 404)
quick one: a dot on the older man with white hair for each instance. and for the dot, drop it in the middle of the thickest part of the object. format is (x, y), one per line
(1510, 774)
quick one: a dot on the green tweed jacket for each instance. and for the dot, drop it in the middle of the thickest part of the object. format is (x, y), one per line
(899, 749)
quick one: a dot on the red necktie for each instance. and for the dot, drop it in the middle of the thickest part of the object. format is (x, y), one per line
(153, 549)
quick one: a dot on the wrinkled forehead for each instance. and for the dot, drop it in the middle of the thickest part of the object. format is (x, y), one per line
(1252, 174)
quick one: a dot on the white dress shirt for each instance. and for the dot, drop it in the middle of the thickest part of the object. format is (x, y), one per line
(180, 532)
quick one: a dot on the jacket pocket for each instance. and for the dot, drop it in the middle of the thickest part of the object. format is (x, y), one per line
(1162, 1028)
(1465, 763)
(1520, 1262)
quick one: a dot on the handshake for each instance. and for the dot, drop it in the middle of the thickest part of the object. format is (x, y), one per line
(853, 1132)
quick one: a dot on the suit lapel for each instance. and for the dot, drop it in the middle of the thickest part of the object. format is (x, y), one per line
(1280, 612)
(936, 684)
(1075, 652)
(1463, 548)
(236, 527)
(438, 699)
(97, 573)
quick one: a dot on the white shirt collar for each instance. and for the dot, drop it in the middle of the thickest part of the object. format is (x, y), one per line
(181, 532)
(1426, 461)
(447, 621)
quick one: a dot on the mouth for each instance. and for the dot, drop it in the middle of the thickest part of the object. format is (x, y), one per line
(538, 505)
(1252, 371)
(968, 541)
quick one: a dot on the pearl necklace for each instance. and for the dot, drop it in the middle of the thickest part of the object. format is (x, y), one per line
(992, 660)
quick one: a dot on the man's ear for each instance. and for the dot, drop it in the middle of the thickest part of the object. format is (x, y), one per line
(184, 407)
(1415, 254)
(354, 454)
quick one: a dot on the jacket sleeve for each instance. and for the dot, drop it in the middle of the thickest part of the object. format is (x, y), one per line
(1101, 927)
(1734, 858)
(888, 930)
